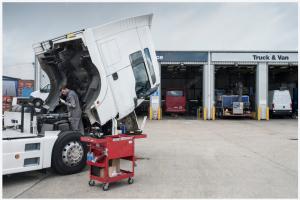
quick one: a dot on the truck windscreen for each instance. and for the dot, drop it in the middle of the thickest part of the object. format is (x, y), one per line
(175, 93)
(140, 73)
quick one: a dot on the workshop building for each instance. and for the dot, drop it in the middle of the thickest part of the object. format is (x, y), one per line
(205, 74)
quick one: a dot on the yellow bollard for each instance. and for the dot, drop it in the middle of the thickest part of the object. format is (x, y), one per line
(268, 113)
(213, 113)
(259, 113)
(159, 114)
(204, 113)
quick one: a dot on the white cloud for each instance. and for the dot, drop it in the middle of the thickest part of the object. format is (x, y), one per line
(230, 27)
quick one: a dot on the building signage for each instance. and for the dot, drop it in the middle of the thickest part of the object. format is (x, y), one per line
(182, 56)
(271, 57)
(255, 57)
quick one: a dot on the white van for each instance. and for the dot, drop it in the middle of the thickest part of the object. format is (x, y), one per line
(280, 102)
(38, 97)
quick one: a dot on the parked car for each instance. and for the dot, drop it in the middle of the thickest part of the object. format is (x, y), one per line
(175, 101)
(39, 96)
(280, 102)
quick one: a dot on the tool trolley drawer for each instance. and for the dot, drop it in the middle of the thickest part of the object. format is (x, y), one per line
(120, 147)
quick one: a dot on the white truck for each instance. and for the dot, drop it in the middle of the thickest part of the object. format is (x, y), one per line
(112, 68)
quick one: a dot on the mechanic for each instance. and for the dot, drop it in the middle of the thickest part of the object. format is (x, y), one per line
(74, 110)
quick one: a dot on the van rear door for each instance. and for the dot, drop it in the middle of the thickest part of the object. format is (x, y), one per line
(282, 100)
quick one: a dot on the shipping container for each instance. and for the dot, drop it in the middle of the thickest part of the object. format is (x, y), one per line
(10, 88)
(6, 103)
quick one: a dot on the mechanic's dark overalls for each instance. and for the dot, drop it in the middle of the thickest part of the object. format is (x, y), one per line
(74, 111)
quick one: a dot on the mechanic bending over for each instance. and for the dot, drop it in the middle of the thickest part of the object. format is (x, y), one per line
(74, 110)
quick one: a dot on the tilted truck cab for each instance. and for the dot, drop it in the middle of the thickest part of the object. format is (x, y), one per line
(111, 67)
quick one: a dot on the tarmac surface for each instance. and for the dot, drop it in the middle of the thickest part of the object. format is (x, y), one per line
(189, 159)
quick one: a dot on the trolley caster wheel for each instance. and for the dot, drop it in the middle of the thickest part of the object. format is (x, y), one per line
(130, 180)
(92, 183)
(105, 186)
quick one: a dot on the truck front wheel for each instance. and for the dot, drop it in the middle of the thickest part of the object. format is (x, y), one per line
(69, 153)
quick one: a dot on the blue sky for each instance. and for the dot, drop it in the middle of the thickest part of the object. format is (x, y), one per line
(176, 26)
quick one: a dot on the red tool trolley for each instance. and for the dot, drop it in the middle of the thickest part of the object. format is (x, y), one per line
(104, 158)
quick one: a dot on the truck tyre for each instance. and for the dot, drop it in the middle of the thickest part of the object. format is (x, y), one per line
(69, 153)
